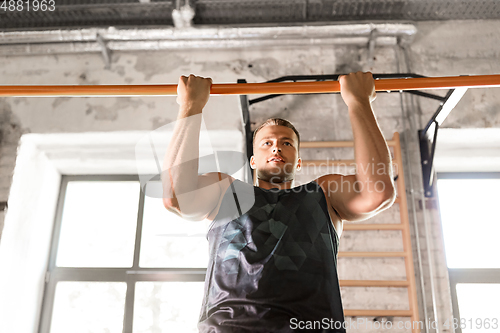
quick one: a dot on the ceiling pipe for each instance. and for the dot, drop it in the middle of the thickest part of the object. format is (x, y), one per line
(126, 39)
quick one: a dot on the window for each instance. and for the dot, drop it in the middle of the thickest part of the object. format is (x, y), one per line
(471, 224)
(120, 262)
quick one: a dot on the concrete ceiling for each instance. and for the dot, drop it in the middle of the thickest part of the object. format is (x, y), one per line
(127, 13)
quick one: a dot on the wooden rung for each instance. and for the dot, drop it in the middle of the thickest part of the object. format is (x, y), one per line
(333, 144)
(371, 254)
(309, 163)
(374, 283)
(377, 313)
(372, 226)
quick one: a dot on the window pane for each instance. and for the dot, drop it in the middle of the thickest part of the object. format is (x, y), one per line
(470, 223)
(167, 306)
(169, 241)
(98, 224)
(88, 307)
(477, 303)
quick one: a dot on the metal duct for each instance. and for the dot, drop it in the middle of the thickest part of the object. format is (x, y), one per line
(123, 39)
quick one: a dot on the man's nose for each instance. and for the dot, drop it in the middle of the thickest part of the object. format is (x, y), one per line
(276, 149)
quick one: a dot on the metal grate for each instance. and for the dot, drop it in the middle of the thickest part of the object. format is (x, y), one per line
(91, 13)
(249, 11)
(84, 13)
(374, 10)
(423, 10)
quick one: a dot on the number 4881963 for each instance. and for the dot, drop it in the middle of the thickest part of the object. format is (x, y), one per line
(28, 5)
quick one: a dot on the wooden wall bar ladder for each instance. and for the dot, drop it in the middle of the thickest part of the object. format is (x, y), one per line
(404, 226)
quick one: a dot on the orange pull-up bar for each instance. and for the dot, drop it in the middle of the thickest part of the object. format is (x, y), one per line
(253, 88)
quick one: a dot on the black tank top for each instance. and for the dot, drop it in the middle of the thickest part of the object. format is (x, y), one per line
(273, 263)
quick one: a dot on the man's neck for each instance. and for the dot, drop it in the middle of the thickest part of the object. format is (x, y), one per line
(268, 185)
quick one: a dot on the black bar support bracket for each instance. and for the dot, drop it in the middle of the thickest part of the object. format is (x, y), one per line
(245, 124)
(427, 138)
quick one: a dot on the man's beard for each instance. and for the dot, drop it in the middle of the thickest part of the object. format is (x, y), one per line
(275, 175)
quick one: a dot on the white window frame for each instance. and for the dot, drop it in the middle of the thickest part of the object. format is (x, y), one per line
(469, 275)
(42, 161)
(468, 153)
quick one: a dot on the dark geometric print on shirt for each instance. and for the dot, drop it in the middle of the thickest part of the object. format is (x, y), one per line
(272, 261)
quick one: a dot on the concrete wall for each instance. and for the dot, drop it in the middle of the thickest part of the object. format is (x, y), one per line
(445, 49)
(440, 49)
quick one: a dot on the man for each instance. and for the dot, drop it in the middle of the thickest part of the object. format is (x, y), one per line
(273, 262)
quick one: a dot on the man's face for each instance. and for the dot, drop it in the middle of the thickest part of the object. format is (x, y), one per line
(276, 156)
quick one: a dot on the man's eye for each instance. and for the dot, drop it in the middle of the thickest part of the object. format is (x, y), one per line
(266, 142)
(288, 143)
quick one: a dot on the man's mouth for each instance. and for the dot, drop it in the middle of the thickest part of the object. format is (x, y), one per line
(276, 159)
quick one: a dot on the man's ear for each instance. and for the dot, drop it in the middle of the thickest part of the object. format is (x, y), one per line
(299, 164)
(252, 162)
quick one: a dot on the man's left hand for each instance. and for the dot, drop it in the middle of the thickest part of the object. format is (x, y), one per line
(357, 88)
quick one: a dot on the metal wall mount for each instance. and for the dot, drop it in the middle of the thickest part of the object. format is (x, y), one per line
(428, 137)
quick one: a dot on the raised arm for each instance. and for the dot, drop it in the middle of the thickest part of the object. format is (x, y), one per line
(360, 196)
(186, 193)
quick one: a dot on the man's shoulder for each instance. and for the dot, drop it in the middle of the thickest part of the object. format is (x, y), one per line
(218, 177)
(243, 194)
(325, 181)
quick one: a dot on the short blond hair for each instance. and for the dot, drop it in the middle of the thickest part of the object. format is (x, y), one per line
(279, 122)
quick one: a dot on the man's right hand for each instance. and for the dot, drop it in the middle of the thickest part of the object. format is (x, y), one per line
(193, 92)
